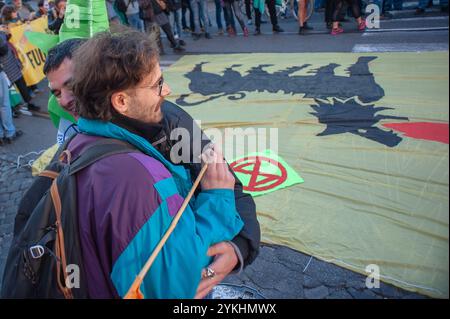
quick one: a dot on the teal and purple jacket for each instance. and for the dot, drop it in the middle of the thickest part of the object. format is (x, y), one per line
(126, 203)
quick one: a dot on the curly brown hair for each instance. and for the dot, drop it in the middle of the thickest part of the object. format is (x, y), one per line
(108, 63)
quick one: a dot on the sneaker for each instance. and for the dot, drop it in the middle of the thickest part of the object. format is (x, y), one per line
(181, 42)
(196, 36)
(246, 32)
(362, 25)
(337, 31)
(249, 22)
(33, 108)
(277, 29)
(9, 140)
(257, 31)
(231, 32)
(220, 32)
(208, 36)
(307, 27)
(178, 48)
(419, 11)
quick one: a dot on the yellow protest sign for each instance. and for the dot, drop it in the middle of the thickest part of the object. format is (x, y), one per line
(32, 58)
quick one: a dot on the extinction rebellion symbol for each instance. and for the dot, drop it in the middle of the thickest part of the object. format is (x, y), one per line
(259, 180)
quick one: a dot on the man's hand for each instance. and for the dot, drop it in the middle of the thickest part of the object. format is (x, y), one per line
(224, 262)
(218, 174)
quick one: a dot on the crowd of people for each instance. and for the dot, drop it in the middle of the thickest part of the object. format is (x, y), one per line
(15, 13)
(191, 16)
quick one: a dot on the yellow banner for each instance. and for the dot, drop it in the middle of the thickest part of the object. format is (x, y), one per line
(368, 133)
(32, 58)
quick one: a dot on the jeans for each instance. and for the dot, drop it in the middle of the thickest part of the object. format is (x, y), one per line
(186, 6)
(177, 22)
(199, 8)
(393, 4)
(423, 3)
(136, 22)
(7, 128)
(219, 11)
(318, 4)
(232, 8)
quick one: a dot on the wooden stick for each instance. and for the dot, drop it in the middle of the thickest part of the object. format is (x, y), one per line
(140, 277)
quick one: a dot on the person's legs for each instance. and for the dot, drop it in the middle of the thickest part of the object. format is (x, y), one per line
(356, 10)
(7, 129)
(202, 8)
(135, 21)
(337, 8)
(184, 8)
(273, 15)
(301, 12)
(229, 18)
(25, 92)
(238, 14)
(257, 20)
(422, 4)
(177, 21)
(218, 14)
(398, 4)
(248, 9)
(191, 16)
(168, 31)
(195, 10)
(329, 10)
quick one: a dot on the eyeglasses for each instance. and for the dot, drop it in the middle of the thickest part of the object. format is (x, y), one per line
(158, 86)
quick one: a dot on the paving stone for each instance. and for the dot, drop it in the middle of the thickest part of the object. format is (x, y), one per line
(291, 289)
(339, 294)
(388, 291)
(320, 292)
(310, 282)
(362, 294)
(4, 197)
(357, 284)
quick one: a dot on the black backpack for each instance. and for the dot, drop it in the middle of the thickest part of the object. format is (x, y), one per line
(46, 239)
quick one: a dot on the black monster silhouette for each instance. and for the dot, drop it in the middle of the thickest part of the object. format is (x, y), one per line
(322, 84)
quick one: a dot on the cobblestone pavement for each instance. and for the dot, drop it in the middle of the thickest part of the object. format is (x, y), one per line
(278, 272)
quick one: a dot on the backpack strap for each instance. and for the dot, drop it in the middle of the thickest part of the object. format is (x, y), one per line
(98, 150)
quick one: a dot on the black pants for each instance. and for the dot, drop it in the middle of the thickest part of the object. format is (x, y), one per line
(168, 31)
(23, 89)
(329, 10)
(186, 6)
(248, 10)
(353, 4)
(272, 12)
